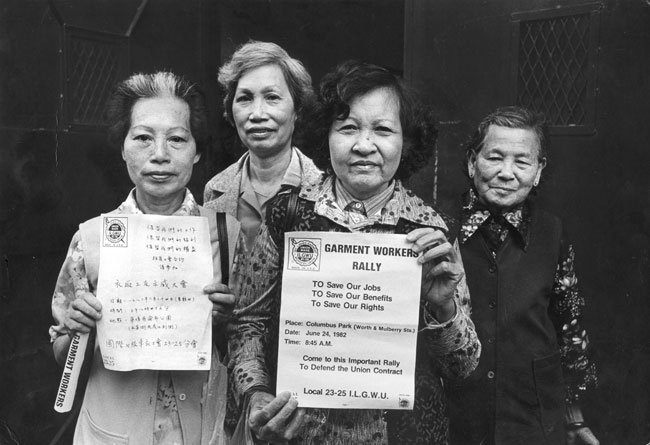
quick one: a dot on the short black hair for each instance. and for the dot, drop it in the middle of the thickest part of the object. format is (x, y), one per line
(355, 78)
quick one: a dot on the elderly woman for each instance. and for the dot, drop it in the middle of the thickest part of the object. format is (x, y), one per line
(526, 306)
(372, 136)
(266, 92)
(159, 123)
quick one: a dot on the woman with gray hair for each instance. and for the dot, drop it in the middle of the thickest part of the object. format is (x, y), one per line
(266, 93)
(159, 123)
(537, 363)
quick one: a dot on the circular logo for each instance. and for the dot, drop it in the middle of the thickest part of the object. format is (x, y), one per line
(115, 231)
(305, 253)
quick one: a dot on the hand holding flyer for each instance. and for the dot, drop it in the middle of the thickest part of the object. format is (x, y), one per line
(349, 319)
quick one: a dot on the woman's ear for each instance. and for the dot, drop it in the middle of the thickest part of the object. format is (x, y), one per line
(538, 176)
(122, 150)
(471, 165)
(197, 157)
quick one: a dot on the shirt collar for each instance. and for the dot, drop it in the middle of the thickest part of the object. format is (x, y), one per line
(475, 214)
(402, 203)
(188, 207)
(372, 205)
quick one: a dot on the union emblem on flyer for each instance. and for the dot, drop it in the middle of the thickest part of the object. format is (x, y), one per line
(304, 253)
(114, 231)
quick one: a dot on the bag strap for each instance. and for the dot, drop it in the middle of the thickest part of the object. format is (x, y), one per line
(222, 234)
(218, 334)
(292, 210)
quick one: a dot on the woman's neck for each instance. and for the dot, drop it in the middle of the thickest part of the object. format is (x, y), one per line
(159, 206)
(269, 171)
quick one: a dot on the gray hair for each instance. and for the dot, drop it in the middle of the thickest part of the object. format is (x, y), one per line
(510, 117)
(158, 84)
(255, 54)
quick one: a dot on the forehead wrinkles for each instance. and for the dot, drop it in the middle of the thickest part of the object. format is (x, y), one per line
(160, 113)
(518, 140)
(376, 105)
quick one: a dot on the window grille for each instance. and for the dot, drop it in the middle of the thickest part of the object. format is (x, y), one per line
(93, 62)
(555, 69)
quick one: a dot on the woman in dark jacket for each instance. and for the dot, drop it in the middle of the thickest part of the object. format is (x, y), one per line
(525, 302)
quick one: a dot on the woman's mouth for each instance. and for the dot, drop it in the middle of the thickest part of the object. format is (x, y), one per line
(363, 165)
(159, 176)
(259, 131)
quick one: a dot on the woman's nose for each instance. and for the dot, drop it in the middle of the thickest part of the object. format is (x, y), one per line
(364, 144)
(161, 151)
(258, 110)
(506, 171)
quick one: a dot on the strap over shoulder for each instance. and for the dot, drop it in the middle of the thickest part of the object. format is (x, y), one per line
(222, 233)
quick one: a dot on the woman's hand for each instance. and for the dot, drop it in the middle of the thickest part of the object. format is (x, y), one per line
(581, 436)
(442, 270)
(274, 419)
(222, 301)
(83, 313)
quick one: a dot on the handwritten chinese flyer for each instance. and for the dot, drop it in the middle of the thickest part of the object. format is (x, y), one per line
(151, 276)
(349, 320)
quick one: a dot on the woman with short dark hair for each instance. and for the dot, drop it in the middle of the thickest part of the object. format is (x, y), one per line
(372, 133)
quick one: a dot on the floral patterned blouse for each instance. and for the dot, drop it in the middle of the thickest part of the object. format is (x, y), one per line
(567, 304)
(453, 344)
(72, 279)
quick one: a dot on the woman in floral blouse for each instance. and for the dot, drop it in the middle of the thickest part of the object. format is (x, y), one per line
(535, 363)
(159, 123)
(370, 135)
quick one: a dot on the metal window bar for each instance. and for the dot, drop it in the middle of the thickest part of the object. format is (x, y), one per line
(93, 62)
(555, 65)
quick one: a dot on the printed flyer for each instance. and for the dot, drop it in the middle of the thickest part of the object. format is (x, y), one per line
(349, 320)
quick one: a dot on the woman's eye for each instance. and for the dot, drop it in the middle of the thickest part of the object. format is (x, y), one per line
(349, 128)
(384, 130)
(242, 99)
(177, 139)
(273, 97)
(142, 137)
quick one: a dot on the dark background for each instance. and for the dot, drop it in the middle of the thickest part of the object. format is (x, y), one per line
(56, 169)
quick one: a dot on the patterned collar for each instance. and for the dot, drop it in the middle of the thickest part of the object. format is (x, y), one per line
(402, 204)
(474, 215)
(189, 207)
(372, 205)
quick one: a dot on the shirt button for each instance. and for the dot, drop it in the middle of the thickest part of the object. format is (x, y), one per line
(491, 340)
(490, 374)
(492, 269)
(492, 304)
(182, 396)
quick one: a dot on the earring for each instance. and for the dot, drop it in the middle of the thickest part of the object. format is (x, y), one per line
(536, 183)
(471, 175)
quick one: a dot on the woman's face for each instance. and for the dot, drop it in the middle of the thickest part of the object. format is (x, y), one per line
(366, 147)
(507, 167)
(159, 149)
(263, 111)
